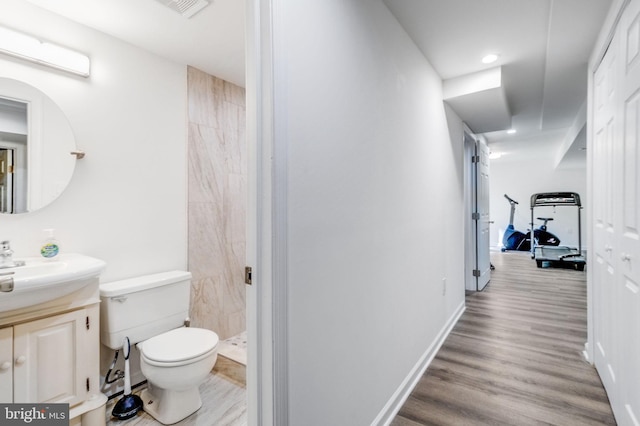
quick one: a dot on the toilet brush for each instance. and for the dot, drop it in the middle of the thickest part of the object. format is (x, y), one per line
(129, 405)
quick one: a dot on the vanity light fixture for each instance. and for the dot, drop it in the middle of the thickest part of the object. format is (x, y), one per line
(26, 47)
(512, 131)
(489, 59)
(495, 155)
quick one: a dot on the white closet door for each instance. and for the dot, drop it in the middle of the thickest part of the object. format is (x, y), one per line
(605, 225)
(629, 237)
(616, 218)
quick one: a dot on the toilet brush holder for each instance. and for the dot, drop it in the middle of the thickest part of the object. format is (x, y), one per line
(129, 405)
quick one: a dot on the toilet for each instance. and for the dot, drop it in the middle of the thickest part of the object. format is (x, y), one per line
(151, 311)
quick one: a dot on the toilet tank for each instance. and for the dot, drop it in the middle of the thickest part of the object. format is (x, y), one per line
(143, 307)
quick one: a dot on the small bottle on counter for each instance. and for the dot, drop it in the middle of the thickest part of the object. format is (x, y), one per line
(50, 246)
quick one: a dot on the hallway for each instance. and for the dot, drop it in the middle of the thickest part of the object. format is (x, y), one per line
(515, 356)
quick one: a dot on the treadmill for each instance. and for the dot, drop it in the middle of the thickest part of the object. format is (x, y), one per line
(557, 256)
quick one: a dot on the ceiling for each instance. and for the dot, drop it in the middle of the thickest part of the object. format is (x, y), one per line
(543, 48)
(212, 40)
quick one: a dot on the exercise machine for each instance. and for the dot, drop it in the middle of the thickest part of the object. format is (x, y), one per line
(542, 236)
(513, 239)
(521, 241)
(558, 256)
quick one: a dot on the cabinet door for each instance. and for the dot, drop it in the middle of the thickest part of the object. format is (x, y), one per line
(6, 364)
(47, 354)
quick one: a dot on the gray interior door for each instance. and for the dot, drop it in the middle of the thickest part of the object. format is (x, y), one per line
(477, 236)
(481, 217)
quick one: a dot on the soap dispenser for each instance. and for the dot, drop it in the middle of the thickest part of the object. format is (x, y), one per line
(50, 247)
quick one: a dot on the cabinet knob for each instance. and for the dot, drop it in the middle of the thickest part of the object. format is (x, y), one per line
(608, 248)
(21, 360)
(5, 365)
(625, 257)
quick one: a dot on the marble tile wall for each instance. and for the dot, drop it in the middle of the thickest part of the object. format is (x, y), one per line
(217, 203)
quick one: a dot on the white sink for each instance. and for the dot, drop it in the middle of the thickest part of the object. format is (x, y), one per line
(40, 280)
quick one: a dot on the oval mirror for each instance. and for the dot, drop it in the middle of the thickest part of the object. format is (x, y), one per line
(36, 142)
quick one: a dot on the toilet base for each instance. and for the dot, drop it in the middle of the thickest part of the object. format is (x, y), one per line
(170, 406)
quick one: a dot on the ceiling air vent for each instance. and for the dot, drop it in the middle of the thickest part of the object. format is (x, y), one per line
(186, 8)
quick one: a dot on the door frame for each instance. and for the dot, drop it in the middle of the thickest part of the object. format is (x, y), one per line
(267, 310)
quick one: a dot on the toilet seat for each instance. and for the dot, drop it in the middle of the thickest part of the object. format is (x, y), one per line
(179, 346)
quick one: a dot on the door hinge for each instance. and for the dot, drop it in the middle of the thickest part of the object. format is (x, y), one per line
(476, 272)
(88, 386)
(475, 216)
(87, 323)
(247, 275)
(475, 158)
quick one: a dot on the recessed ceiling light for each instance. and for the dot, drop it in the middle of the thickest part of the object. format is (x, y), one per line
(512, 131)
(489, 59)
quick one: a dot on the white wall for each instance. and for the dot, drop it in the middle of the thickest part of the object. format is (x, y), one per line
(374, 193)
(126, 203)
(520, 177)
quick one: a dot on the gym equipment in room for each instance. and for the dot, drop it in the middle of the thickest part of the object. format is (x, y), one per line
(555, 255)
(521, 241)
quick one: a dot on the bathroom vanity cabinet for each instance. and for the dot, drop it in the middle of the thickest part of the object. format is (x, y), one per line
(47, 359)
(50, 352)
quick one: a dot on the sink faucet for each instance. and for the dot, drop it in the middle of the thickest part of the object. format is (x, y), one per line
(6, 259)
(6, 256)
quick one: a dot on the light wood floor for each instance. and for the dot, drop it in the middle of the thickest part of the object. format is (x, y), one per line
(515, 357)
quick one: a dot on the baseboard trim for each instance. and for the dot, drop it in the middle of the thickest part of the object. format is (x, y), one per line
(400, 396)
(585, 353)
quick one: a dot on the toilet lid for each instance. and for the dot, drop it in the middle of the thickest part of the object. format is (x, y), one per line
(179, 344)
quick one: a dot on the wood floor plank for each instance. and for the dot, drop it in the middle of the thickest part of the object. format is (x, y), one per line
(515, 356)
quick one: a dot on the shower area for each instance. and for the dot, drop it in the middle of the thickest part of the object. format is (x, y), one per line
(217, 191)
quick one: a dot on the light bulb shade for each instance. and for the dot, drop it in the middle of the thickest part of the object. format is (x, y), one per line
(26, 47)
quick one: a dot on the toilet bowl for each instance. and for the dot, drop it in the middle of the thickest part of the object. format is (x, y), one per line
(175, 363)
(151, 312)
